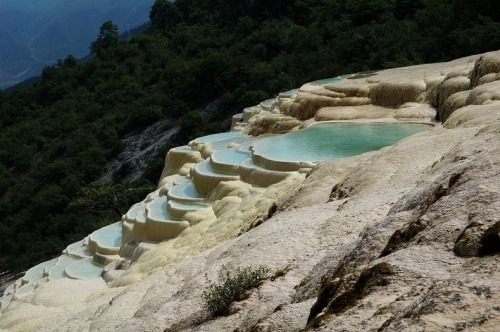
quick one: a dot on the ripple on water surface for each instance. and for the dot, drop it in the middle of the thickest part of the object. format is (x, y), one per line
(334, 140)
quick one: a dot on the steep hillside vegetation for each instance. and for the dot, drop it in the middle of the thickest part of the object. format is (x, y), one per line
(201, 61)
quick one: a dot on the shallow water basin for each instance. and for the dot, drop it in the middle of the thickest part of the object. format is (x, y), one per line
(218, 137)
(157, 209)
(326, 81)
(289, 94)
(133, 211)
(229, 143)
(184, 193)
(324, 141)
(109, 236)
(267, 104)
(84, 269)
(37, 271)
(57, 272)
(230, 156)
(178, 210)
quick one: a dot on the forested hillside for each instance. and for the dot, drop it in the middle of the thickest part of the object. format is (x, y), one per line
(200, 62)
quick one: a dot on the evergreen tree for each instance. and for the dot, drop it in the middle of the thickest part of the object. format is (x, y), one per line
(108, 38)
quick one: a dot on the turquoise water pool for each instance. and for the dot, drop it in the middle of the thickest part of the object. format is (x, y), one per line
(141, 215)
(334, 140)
(182, 148)
(268, 103)
(179, 209)
(37, 270)
(109, 236)
(218, 137)
(289, 93)
(84, 269)
(157, 209)
(224, 144)
(184, 192)
(57, 272)
(204, 168)
(182, 180)
(326, 81)
(231, 156)
(78, 249)
(188, 206)
(133, 211)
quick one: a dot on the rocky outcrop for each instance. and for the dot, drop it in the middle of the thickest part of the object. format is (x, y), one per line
(452, 213)
(272, 124)
(485, 70)
(468, 86)
(311, 98)
(452, 85)
(394, 94)
(140, 148)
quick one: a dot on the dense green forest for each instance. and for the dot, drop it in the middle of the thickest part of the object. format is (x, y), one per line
(198, 63)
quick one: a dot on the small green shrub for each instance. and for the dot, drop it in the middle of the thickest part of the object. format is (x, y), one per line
(280, 272)
(218, 297)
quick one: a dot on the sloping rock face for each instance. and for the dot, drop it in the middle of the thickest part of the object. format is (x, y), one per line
(403, 238)
(140, 148)
(432, 262)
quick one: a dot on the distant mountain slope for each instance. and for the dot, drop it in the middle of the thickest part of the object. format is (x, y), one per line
(34, 34)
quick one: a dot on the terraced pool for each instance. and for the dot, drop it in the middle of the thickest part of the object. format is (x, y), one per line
(324, 141)
(219, 137)
(109, 236)
(326, 81)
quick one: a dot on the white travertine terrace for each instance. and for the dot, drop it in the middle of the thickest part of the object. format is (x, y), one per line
(204, 198)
